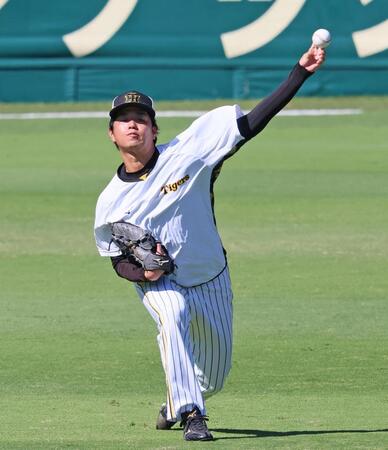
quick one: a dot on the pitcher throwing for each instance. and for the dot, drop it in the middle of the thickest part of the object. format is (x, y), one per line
(176, 259)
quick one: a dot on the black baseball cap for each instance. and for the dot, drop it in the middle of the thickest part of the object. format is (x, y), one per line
(134, 98)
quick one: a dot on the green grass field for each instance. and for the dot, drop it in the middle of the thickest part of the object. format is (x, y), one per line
(303, 213)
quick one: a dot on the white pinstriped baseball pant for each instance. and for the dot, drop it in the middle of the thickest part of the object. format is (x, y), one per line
(195, 338)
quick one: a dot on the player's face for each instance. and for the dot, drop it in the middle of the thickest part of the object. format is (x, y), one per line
(133, 130)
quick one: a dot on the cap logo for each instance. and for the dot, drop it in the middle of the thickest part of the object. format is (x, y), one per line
(132, 98)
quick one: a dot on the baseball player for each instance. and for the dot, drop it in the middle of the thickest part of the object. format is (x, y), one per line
(167, 192)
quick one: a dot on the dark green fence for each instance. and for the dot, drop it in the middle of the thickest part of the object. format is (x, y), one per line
(185, 49)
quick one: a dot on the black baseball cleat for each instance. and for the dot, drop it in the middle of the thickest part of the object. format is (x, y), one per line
(195, 427)
(161, 422)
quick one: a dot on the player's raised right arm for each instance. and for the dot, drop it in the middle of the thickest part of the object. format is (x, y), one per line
(256, 120)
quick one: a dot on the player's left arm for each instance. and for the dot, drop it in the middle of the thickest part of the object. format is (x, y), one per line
(132, 271)
(256, 120)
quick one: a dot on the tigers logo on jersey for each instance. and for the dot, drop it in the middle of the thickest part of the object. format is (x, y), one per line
(174, 186)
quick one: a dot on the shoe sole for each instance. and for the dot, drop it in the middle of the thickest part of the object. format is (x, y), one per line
(201, 439)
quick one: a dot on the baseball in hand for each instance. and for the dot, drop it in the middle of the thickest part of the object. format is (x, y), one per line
(321, 38)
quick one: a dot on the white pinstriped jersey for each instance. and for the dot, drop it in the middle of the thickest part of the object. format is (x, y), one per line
(173, 202)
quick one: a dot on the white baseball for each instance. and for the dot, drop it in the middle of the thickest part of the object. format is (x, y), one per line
(321, 38)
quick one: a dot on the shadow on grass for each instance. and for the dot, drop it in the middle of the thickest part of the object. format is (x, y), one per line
(263, 433)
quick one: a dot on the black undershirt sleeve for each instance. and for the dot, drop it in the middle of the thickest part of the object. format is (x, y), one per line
(127, 269)
(120, 265)
(256, 120)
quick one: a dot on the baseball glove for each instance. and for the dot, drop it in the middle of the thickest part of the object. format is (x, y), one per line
(139, 245)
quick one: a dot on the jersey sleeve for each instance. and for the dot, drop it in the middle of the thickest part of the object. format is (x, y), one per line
(212, 136)
(102, 231)
(105, 246)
